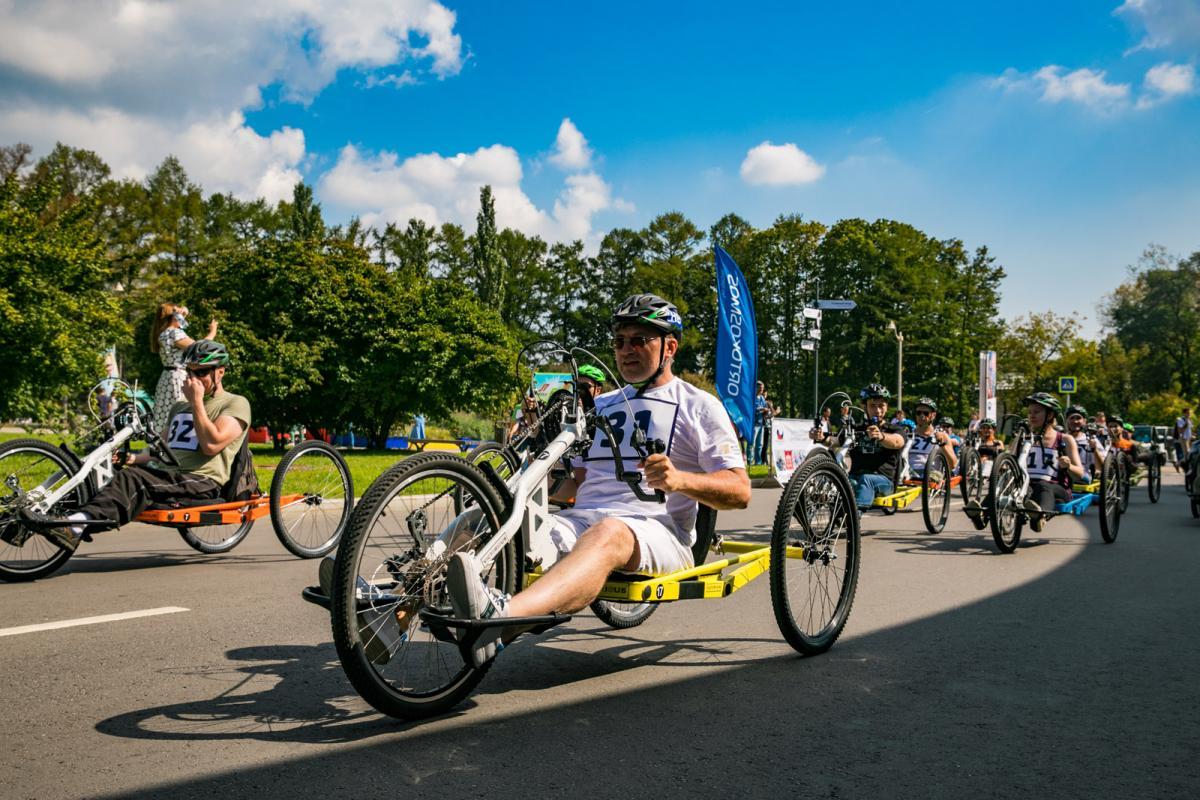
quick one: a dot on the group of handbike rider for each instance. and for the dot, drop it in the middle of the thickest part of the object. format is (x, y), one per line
(610, 526)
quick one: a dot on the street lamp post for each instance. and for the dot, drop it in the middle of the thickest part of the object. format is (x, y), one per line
(891, 326)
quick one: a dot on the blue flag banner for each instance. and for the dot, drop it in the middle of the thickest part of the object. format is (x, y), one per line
(737, 344)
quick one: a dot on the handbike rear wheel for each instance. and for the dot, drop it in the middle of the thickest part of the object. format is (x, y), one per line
(25, 464)
(815, 550)
(1004, 506)
(312, 497)
(622, 615)
(385, 574)
(935, 492)
(1110, 498)
(1154, 478)
(213, 539)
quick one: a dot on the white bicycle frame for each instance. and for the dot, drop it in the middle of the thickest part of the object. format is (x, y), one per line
(98, 463)
(531, 500)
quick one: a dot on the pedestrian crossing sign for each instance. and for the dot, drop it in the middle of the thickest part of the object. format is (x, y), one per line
(1066, 385)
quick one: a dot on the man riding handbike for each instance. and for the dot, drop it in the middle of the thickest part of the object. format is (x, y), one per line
(875, 456)
(610, 528)
(204, 434)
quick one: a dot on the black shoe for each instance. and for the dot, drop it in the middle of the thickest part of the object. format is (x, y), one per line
(56, 529)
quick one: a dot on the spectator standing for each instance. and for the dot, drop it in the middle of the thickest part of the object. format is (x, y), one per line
(418, 427)
(760, 423)
(973, 424)
(770, 412)
(1183, 437)
(167, 338)
(825, 423)
(104, 403)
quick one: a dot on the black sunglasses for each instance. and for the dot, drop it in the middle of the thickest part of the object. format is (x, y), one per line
(200, 373)
(637, 342)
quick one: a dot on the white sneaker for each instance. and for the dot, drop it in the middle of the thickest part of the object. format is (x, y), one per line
(471, 598)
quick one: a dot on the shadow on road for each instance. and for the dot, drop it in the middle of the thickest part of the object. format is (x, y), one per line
(1069, 685)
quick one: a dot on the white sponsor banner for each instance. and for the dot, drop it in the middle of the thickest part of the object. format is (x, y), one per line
(790, 443)
(987, 384)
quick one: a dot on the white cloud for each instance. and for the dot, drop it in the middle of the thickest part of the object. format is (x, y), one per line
(1092, 89)
(1165, 82)
(779, 165)
(436, 189)
(1166, 23)
(221, 153)
(571, 151)
(137, 80)
(1084, 86)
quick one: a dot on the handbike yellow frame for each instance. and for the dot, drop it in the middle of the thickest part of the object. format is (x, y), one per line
(745, 562)
(900, 499)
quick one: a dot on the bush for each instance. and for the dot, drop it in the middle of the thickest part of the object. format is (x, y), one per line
(1159, 409)
(471, 426)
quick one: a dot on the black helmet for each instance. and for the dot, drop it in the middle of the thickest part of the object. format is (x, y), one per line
(1075, 409)
(1046, 401)
(875, 390)
(206, 353)
(991, 423)
(925, 401)
(947, 422)
(649, 309)
(1115, 420)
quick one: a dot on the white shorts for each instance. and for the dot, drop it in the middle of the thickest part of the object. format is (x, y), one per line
(661, 550)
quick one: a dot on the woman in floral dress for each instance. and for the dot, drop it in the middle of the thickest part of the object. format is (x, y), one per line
(167, 338)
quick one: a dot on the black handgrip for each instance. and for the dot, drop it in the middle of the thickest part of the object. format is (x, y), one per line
(634, 479)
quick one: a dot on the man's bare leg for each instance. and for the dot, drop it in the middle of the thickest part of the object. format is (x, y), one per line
(579, 576)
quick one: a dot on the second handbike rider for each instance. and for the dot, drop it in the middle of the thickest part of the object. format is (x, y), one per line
(875, 457)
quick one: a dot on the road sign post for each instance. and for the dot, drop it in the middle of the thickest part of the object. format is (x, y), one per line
(813, 341)
(1068, 386)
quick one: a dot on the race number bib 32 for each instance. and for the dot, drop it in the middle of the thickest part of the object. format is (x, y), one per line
(182, 435)
(656, 418)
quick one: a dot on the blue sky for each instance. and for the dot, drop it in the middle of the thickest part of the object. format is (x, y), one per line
(1061, 135)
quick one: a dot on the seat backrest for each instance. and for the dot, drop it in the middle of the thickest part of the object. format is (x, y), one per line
(243, 480)
(706, 526)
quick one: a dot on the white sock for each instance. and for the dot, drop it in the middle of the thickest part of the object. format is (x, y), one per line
(78, 516)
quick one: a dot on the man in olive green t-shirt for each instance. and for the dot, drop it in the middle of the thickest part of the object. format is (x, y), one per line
(205, 432)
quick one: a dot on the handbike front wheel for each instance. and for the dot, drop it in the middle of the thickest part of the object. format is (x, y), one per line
(815, 551)
(24, 465)
(312, 497)
(971, 469)
(386, 574)
(1004, 506)
(935, 492)
(1110, 498)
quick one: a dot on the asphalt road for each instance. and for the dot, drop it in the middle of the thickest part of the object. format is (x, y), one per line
(1068, 669)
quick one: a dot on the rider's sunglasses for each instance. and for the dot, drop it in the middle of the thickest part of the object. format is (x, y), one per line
(923, 412)
(200, 373)
(636, 342)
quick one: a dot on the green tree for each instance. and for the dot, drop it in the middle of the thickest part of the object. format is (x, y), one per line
(55, 317)
(304, 215)
(487, 260)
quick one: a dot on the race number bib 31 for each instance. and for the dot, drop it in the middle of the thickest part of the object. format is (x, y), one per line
(182, 435)
(656, 418)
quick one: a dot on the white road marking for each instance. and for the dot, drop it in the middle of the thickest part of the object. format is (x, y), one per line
(71, 623)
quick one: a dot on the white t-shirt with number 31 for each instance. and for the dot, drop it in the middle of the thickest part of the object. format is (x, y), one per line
(699, 438)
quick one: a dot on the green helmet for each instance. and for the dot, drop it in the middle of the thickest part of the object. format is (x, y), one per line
(925, 401)
(595, 373)
(1128, 426)
(875, 390)
(991, 423)
(947, 422)
(649, 309)
(1046, 401)
(1076, 409)
(206, 353)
